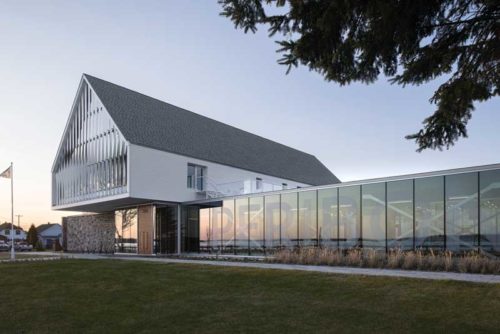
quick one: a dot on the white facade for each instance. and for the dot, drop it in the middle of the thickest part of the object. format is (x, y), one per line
(18, 234)
(162, 176)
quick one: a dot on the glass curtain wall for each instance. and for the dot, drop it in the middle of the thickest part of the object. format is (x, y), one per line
(328, 218)
(215, 243)
(307, 219)
(429, 212)
(490, 211)
(205, 235)
(458, 212)
(272, 222)
(289, 228)
(462, 212)
(228, 226)
(373, 217)
(350, 217)
(400, 214)
(256, 225)
(126, 231)
(241, 244)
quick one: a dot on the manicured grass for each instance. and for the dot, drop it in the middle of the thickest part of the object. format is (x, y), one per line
(111, 296)
(22, 255)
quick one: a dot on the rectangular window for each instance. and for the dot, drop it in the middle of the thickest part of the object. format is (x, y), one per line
(307, 219)
(462, 212)
(284, 186)
(400, 214)
(429, 212)
(272, 222)
(196, 177)
(328, 218)
(350, 217)
(373, 216)
(258, 183)
(490, 211)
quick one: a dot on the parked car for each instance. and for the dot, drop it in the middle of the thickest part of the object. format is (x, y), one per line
(4, 246)
(23, 247)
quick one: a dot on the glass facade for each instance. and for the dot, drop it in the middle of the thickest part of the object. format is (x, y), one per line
(307, 219)
(92, 157)
(462, 214)
(228, 226)
(256, 224)
(400, 214)
(241, 221)
(272, 222)
(289, 217)
(350, 217)
(328, 215)
(429, 212)
(489, 195)
(458, 212)
(126, 231)
(373, 218)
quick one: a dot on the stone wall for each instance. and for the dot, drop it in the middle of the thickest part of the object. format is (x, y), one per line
(89, 233)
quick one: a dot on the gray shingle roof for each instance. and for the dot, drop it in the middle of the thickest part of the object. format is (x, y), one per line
(149, 122)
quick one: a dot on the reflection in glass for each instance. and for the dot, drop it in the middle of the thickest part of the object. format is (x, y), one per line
(228, 226)
(349, 220)
(328, 218)
(490, 211)
(373, 205)
(400, 214)
(272, 221)
(307, 219)
(461, 212)
(204, 230)
(241, 221)
(126, 231)
(256, 227)
(429, 212)
(215, 229)
(289, 220)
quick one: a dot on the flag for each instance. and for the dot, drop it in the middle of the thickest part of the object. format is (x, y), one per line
(7, 173)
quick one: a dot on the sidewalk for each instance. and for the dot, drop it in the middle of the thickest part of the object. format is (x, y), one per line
(463, 277)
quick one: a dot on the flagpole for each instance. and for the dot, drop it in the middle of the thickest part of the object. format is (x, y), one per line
(12, 252)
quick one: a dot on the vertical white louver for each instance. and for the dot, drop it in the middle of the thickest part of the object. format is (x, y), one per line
(92, 160)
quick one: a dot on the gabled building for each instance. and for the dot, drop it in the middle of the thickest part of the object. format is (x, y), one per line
(5, 230)
(49, 234)
(122, 149)
(165, 180)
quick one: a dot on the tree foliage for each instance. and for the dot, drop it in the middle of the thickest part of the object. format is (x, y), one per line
(32, 236)
(409, 41)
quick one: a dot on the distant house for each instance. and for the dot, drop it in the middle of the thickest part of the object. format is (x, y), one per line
(48, 234)
(5, 231)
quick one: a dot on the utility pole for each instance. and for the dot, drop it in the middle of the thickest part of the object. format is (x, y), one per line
(19, 220)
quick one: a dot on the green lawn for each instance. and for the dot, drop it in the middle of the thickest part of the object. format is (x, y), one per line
(22, 255)
(111, 296)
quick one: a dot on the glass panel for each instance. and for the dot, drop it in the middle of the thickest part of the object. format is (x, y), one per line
(126, 231)
(349, 220)
(373, 207)
(241, 216)
(289, 220)
(400, 214)
(272, 222)
(327, 218)
(191, 229)
(461, 212)
(205, 230)
(228, 226)
(490, 211)
(215, 229)
(307, 219)
(429, 213)
(190, 176)
(256, 224)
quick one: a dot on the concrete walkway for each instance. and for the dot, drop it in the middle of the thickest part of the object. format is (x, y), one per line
(475, 278)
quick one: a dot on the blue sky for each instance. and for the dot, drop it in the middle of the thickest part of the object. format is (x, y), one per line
(184, 53)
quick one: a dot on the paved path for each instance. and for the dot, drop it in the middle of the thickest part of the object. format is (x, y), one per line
(476, 278)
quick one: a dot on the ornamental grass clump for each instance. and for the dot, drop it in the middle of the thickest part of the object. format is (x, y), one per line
(426, 260)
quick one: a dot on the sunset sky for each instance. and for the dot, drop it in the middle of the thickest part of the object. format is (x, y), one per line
(184, 53)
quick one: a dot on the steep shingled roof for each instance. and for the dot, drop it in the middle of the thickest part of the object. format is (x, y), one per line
(149, 122)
